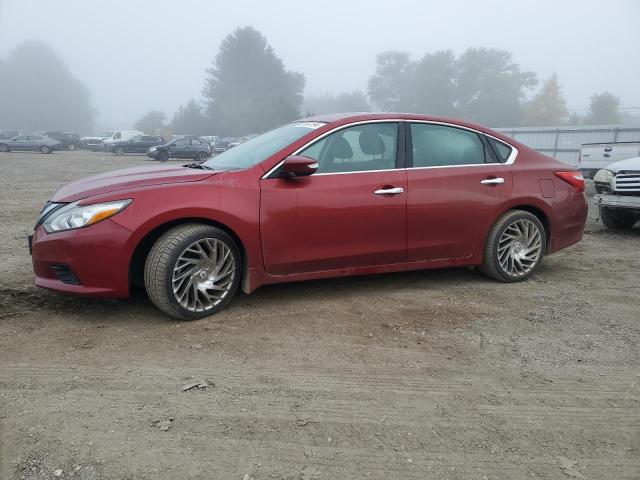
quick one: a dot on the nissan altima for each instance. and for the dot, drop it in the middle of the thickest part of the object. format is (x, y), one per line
(327, 196)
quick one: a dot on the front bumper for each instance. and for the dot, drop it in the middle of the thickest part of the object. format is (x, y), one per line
(617, 201)
(97, 256)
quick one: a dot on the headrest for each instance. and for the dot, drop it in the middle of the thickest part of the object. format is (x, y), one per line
(370, 142)
(340, 148)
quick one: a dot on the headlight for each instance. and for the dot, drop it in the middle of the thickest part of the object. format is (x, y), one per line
(76, 216)
(603, 176)
(152, 149)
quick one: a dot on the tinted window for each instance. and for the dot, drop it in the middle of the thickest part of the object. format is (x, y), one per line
(181, 143)
(137, 138)
(503, 151)
(435, 145)
(196, 142)
(363, 147)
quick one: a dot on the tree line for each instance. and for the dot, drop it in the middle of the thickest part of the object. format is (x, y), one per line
(248, 89)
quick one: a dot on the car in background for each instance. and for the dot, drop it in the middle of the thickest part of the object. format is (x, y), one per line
(137, 144)
(195, 148)
(30, 143)
(618, 193)
(597, 156)
(224, 144)
(119, 136)
(95, 143)
(68, 140)
(327, 196)
(7, 134)
(212, 139)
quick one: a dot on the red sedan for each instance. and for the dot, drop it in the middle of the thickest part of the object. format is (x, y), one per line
(328, 196)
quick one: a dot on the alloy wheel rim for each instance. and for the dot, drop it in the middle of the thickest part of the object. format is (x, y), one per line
(519, 248)
(203, 275)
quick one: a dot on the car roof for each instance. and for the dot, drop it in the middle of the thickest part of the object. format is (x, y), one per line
(351, 117)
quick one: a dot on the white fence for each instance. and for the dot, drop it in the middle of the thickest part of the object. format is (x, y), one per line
(564, 143)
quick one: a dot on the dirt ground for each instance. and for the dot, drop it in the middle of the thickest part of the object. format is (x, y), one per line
(436, 374)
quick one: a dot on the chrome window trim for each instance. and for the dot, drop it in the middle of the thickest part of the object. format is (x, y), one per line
(510, 160)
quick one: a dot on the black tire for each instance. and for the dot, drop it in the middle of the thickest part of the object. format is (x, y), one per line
(202, 156)
(44, 149)
(162, 258)
(616, 219)
(120, 151)
(4, 147)
(72, 147)
(490, 261)
(162, 156)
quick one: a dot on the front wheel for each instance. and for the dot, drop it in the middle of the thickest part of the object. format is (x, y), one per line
(617, 219)
(4, 147)
(120, 151)
(515, 247)
(162, 156)
(45, 149)
(72, 147)
(192, 271)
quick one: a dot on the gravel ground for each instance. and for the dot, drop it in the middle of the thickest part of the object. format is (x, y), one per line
(436, 374)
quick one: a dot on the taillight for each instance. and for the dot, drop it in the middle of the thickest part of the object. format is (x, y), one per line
(573, 178)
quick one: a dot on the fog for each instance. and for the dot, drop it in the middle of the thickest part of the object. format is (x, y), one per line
(140, 56)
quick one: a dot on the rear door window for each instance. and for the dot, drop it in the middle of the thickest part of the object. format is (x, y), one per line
(440, 145)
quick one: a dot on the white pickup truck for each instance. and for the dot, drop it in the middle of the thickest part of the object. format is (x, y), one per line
(594, 156)
(618, 193)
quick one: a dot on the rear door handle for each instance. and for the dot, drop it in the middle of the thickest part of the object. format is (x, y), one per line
(389, 191)
(492, 181)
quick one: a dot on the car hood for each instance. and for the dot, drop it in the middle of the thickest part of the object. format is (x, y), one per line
(628, 164)
(128, 178)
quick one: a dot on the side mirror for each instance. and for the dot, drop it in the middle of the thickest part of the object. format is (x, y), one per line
(299, 166)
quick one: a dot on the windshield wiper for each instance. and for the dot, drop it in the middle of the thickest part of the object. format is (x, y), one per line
(200, 166)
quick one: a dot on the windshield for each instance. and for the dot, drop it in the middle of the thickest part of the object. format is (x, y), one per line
(260, 148)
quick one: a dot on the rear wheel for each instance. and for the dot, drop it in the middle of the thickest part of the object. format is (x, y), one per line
(45, 149)
(515, 247)
(192, 271)
(4, 147)
(72, 147)
(617, 219)
(202, 156)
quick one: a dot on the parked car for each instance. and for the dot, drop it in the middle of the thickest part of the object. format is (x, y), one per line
(34, 143)
(119, 136)
(196, 148)
(7, 134)
(329, 196)
(618, 193)
(68, 140)
(96, 143)
(224, 144)
(137, 144)
(596, 156)
(212, 139)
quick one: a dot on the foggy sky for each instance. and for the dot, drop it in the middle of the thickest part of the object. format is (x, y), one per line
(140, 55)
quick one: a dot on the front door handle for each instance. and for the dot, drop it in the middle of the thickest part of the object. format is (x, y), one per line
(492, 181)
(389, 191)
